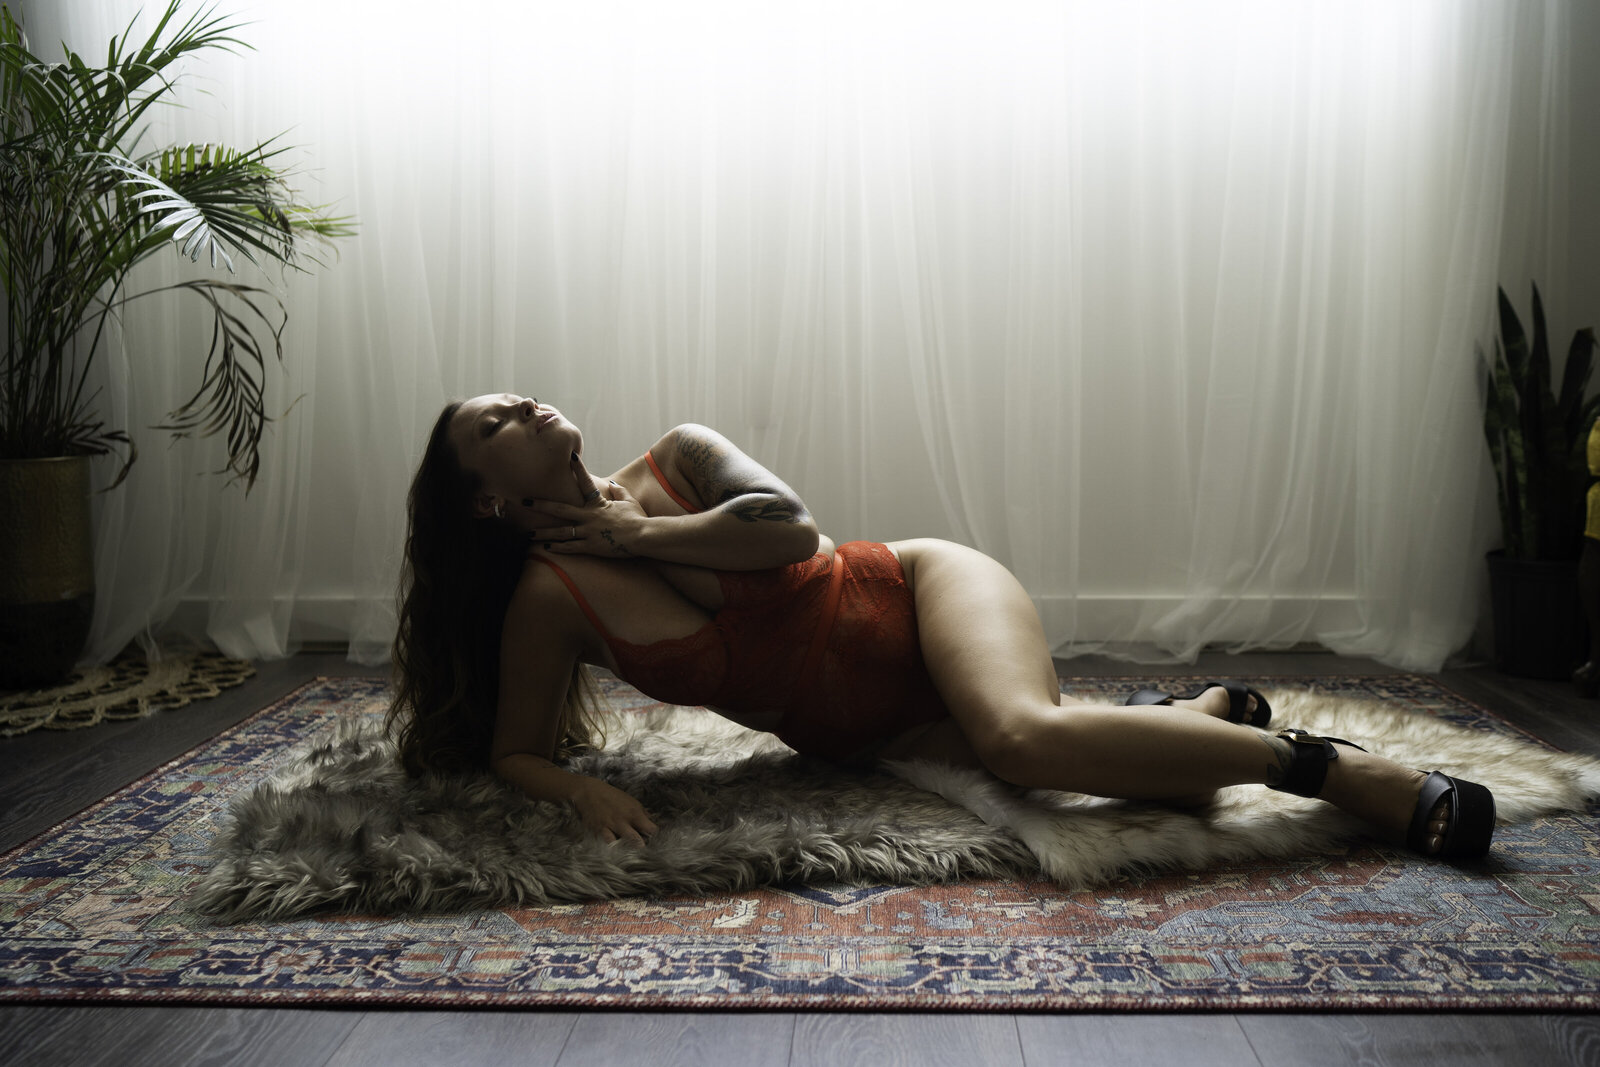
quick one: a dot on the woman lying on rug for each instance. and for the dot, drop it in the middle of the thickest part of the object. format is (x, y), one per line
(699, 577)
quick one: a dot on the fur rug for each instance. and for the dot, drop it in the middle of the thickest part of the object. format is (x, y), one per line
(343, 829)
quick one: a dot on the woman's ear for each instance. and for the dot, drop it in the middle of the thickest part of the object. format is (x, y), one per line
(483, 506)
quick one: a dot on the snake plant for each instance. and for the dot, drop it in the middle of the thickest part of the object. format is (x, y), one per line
(85, 201)
(1538, 436)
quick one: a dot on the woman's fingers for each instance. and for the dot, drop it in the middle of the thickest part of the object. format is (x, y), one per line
(572, 532)
(564, 512)
(628, 834)
(634, 829)
(639, 828)
(595, 494)
(584, 480)
(611, 814)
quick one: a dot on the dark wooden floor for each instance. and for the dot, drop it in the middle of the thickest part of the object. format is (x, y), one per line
(45, 777)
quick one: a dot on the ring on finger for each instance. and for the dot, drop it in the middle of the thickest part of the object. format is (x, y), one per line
(574, 534)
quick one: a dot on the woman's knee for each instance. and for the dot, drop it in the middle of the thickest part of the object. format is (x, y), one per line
(1038, 749)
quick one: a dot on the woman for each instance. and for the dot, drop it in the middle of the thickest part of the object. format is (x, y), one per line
(700, 577)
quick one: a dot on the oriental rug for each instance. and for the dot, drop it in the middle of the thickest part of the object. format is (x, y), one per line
(107, 906)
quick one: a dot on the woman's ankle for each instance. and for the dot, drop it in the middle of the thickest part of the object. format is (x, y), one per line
(1375, 790)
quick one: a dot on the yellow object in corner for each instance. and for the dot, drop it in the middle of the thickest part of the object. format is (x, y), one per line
(1591, 522)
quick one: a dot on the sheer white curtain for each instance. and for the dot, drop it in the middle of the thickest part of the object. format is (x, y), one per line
(1169, 306)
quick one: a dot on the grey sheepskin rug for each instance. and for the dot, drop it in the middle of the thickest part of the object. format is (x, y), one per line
(344, 830)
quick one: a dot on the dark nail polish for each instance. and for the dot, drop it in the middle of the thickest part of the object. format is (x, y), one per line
(527, 502)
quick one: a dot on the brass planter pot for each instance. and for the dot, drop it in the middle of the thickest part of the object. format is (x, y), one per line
(1539, 627)
(46, 569)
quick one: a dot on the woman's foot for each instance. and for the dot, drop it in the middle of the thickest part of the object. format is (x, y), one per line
(1385, 795)
(1216, 703)
(1229, 700)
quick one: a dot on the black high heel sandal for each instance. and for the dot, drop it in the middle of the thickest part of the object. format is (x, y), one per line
(1309, 757)
(1239, 696)
(1471, 815)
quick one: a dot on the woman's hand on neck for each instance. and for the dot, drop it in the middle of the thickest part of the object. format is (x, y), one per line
(577, 491)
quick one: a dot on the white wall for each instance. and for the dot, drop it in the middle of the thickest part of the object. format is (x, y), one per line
(1551, 173)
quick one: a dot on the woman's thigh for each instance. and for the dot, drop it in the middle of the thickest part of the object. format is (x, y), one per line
(981, 637)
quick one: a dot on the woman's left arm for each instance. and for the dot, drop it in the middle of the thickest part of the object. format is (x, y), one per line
(750, 518)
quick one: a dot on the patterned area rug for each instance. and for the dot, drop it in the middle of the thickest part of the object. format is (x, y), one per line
(101, 909)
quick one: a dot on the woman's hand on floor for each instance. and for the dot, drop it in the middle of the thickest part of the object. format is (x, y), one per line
(612, 815)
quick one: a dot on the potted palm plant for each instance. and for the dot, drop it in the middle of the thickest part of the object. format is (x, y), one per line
(1538, 436)
(85, 202)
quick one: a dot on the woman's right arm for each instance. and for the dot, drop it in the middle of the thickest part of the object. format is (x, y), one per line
(537, 656)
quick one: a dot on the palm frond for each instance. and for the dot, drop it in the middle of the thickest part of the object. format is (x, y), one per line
(231, 397)
(83, 206)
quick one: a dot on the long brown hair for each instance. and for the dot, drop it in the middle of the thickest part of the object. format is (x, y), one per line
(458, 577)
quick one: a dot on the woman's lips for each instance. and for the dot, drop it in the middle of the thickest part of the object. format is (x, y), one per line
(543, 419)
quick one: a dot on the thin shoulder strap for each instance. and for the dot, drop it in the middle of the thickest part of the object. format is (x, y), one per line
(662, 478)
(577, 594)
(666, 485)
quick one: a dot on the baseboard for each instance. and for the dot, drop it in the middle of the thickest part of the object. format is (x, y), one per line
(1136, 628)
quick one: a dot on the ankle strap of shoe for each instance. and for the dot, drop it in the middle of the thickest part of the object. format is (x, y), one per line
(1309, 756)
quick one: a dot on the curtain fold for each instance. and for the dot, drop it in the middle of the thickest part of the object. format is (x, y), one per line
(1169, 307)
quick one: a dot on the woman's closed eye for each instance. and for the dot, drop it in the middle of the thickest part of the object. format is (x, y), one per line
(493, 423)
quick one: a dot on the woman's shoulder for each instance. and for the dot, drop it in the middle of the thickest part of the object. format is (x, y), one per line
(548, 593)
(656, 478)
(550, 586)
(555, 600)
(668, 447)
(688, 444)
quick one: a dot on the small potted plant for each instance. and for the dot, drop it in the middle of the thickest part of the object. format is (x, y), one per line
(83, 204)
(1538, 436)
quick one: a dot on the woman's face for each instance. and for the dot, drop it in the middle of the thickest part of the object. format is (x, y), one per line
(519, 447)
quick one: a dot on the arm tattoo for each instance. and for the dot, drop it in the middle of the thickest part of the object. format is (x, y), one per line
(709, 465)
(1282, 757)
(612, 541)
(703, 456)
(711, 475)
(776, 510)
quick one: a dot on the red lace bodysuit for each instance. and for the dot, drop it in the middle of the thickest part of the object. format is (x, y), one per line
(830, 644)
